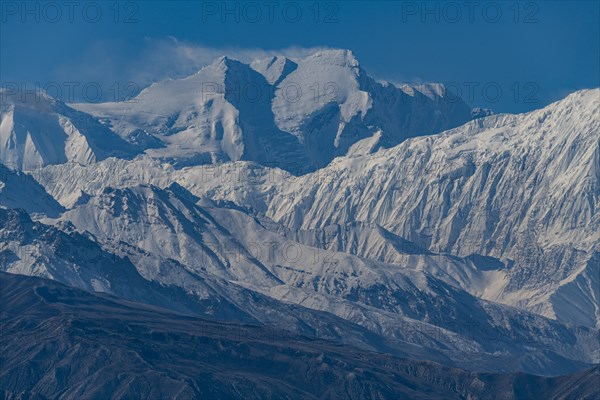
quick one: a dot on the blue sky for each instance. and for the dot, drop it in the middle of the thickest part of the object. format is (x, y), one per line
(508, 56)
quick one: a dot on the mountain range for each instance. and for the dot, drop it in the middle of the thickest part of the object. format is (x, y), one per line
(305, 196)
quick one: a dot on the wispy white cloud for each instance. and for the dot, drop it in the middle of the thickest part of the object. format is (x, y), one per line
(158, 59)
(169, 57)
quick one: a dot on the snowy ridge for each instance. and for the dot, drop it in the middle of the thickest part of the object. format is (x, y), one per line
(20, 190)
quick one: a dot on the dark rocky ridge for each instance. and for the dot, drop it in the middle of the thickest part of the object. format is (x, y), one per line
(62, 342)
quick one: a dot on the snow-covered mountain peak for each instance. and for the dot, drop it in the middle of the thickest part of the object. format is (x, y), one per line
(224, 60)
(274, 69)
(297, 114)
(37, 130)
(225, 63)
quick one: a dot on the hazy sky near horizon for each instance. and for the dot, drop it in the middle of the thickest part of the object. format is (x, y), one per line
(506, 55)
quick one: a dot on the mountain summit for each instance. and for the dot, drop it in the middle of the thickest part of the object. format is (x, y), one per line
(295, 114)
